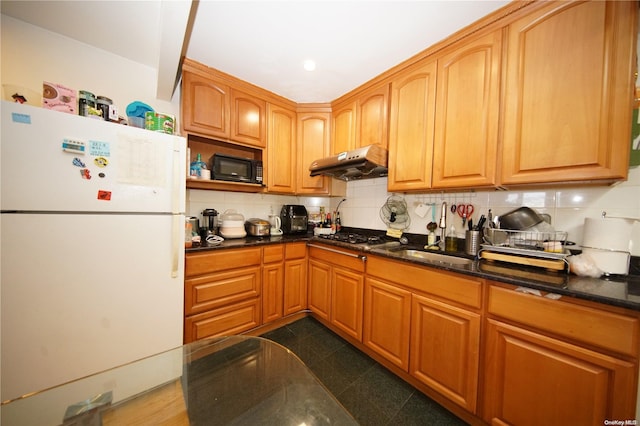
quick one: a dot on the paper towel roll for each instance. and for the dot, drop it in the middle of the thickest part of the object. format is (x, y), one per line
(609, 233)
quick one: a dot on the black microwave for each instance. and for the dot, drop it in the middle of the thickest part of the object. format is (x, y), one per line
(236, 169)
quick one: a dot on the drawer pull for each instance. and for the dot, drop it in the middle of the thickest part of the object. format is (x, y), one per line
(526, 290)
(358, 256)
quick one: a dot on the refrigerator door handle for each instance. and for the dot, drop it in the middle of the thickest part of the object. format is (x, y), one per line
(177, 236)
(177, 205)
(177, 184)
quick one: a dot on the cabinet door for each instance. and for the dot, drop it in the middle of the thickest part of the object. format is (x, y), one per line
(412, 115)
(344, 128)
(532, 379)
(205, 106)
(373, 117)
(281, 150)
(568, 93)
(313, 143)
(272, 291)
(347, 289)
(445, 346)
(319, 291)
(387, 314)
(248, 119)
(467, 108)
(295, 286)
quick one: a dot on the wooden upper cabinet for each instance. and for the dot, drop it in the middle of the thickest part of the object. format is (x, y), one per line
(205, 106)
(313, 143)
(362, 120)
(248, 119)
(281, 150)
(412, 116)
(568, 93)
(372, 112)
(344, 127)
(467, 110)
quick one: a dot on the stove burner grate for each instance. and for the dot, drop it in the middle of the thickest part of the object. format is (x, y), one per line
(352, 238)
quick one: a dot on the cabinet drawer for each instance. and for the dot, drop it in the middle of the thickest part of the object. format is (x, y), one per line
(230, 320)
(615, 332)
(295, 250)
(338, 256)
(220, 260)
(212, 291)
(273, 253)
(447, 285)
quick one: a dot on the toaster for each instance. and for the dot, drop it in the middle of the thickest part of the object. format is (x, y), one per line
(294, 219)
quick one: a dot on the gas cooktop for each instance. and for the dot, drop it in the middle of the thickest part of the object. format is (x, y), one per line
(353, 238)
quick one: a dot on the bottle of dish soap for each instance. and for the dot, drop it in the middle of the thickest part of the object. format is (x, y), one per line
(196, 167)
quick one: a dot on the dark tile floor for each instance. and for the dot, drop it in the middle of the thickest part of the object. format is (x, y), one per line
(372, 394)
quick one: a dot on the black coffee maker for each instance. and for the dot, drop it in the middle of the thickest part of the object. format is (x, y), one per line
(210, 222)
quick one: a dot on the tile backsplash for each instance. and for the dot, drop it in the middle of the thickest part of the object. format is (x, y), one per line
(567, 206)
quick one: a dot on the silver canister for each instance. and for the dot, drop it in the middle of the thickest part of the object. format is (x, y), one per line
(472, 242)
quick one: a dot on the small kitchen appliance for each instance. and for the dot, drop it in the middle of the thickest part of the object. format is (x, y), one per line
(209, 219)
(294, 219)
(257, 227)
(236, 169)
(276, 224)
(232, 225)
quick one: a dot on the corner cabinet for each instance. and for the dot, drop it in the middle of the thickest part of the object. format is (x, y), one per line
(361, 120)
(314, 138)
(568, 92)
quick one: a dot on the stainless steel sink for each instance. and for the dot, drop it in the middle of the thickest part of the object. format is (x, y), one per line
(433, 257)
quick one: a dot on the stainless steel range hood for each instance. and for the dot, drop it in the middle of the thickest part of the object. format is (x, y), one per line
(362, 163)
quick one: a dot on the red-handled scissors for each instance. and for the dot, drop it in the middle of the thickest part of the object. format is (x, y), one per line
(464, 211)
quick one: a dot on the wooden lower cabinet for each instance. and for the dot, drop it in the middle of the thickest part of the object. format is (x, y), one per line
(226, 321)
(336, 286)
(387, 316)
(295, 278)
(532, 379)
(222, 292)
(426, 322)
(445, 349)
(346, 301)
(558, 362)
(319, 289)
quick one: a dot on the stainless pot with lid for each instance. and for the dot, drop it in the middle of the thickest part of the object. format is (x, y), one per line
(257, 227)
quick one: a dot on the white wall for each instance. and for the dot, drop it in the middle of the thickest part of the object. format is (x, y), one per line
(31, 55)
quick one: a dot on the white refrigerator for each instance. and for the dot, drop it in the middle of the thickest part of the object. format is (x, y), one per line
(92, 246)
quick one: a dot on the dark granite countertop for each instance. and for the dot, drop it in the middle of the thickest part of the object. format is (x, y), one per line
(622, 291)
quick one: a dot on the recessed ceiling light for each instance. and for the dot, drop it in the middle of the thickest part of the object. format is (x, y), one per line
(309, 65)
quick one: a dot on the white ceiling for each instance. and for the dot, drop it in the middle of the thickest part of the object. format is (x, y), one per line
(263, 42)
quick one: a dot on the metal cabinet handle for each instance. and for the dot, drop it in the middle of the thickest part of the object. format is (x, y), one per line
(359, 256)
